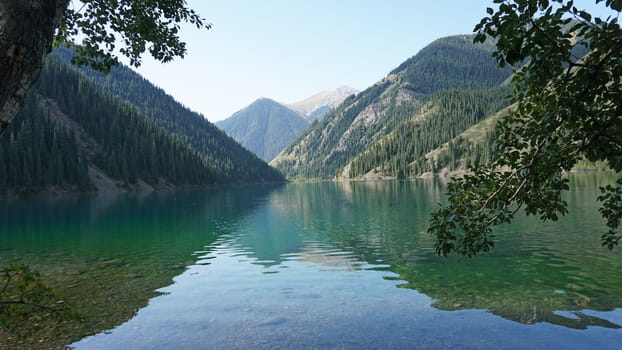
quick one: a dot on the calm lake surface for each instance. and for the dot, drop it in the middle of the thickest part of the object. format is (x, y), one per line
(327, 266)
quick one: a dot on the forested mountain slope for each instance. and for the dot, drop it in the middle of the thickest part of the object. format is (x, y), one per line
(234, 163)
(74, 134)
(264, 127)
(426, 101)
(432, 140)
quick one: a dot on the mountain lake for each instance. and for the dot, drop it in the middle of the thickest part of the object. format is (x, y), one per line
(326, 265)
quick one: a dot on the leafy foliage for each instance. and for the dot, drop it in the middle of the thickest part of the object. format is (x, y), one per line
(567, 108)
(147, 25)
(612, 211)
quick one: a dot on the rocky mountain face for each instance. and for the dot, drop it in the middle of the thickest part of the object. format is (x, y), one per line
(320, 104)
(389, 128)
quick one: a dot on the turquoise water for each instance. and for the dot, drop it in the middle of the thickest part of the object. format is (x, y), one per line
(332, 266)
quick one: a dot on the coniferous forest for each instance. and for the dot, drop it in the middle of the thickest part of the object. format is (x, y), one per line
(78, 126)
(395, 127)
(37, 153)
(403, 152)
(128, 220)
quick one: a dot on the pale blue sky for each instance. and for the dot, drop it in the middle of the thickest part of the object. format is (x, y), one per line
(290, 50)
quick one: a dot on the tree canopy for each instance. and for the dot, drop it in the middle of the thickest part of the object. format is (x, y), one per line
(567, 96)
(28, 30)
(147, 25)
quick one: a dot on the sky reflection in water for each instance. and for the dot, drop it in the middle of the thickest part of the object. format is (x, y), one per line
(350, 266)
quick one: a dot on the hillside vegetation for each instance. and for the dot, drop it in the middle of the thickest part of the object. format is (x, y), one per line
(83, 131)
(265, 127)
(425, 102)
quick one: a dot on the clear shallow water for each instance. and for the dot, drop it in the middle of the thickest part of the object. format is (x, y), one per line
(338, 266)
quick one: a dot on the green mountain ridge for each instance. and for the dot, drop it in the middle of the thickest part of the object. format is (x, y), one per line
(235, 163)
(426, 101)
(264, 127)
(436, 139)
(82, 131)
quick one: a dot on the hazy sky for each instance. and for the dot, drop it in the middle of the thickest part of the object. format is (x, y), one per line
(288, 50)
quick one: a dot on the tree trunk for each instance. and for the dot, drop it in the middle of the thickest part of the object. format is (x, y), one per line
(26, 34)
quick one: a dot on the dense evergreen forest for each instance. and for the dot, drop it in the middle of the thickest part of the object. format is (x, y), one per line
(424, 103)
(36, 153)
(452, 63)
(403, 152)
(122, 126)
(73, 127)
(234, 163)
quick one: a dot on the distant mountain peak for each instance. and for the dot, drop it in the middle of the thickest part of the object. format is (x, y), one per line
(264, 99)
(344, 89)
(319, 104)
(261, 101)
(388, 128)
(264, 127)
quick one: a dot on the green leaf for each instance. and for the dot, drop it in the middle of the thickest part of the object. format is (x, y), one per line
(615, 4)
(586, 16)
(564, 112)
(544, 4)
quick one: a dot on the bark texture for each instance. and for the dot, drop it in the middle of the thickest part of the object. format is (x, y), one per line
(26, 34)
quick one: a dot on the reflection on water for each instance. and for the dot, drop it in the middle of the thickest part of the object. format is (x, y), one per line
(106, 255)
(317, 265)
(347, 266)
